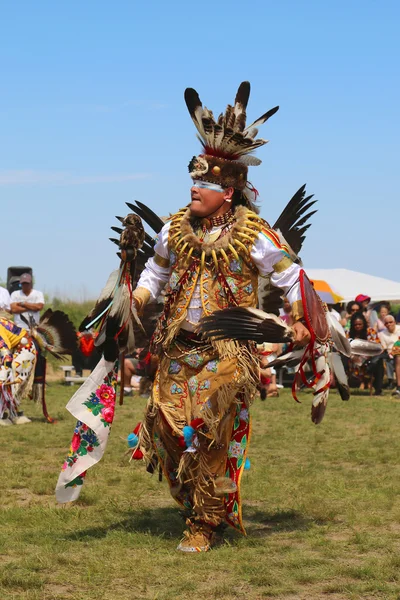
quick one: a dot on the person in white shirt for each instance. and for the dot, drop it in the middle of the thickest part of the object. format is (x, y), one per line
(388, 338)
(26, 301)
(4, 300)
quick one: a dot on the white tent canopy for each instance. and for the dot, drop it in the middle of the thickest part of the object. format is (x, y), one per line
(351, 283)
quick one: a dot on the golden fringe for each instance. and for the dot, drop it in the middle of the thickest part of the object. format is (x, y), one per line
(37, 392)
(172, 330)
(23, 389)
(145, 434)
(246, 382)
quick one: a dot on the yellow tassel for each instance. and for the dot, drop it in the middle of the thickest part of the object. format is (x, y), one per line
(190, 253)
(214, 255)
(246, 237)
(254, 233)
(183, 248)
(203, 258)
(238, 243)
(254, 224)
(175, 235)
(179, 242)
(226, 259)
(232, 249)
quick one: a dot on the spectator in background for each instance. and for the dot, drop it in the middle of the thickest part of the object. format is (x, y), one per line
(383, 312)
(373, 367)
(26, 302)
(364, 301)
(351, 309)
(286, 312)
(388, 339)
(4, 300)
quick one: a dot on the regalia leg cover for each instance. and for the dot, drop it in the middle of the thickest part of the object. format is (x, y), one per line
(93, 405)
(16, 377)
(198, 426)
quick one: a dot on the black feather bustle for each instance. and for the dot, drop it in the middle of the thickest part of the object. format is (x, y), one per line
(59, 321)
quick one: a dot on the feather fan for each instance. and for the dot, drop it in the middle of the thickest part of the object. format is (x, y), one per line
(239, 323)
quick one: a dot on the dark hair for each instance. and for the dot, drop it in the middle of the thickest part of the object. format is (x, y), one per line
(363, 334)
(350, 304)
(238, 199)
(386, 304)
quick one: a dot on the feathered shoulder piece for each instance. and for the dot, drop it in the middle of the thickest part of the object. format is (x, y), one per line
(227, 143)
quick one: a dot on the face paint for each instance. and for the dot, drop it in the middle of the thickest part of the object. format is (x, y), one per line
(207, 185)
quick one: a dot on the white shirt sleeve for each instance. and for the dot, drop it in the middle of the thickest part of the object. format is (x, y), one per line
(4, 298)
(153, 277)
(39, 297)
(265, 255)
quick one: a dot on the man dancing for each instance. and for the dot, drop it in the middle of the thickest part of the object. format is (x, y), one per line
(210, 255)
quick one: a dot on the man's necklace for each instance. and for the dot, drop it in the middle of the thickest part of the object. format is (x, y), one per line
(223, 221)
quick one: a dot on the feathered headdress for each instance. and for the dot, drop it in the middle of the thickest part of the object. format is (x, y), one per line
(227, 143)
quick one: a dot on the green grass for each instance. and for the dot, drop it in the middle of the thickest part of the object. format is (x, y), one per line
(321, 507)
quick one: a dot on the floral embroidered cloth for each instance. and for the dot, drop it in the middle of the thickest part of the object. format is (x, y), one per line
(93, 405)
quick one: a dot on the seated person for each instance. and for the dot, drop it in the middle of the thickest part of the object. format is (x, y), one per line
(364, 371)
(383, 311)
(388, 339)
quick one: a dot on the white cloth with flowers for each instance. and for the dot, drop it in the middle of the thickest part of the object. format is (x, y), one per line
(93, 405)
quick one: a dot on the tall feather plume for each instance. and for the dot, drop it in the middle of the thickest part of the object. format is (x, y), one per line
(227, 137)
(115, 312)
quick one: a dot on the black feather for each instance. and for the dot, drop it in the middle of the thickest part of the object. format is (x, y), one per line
(241, 324)
(289, 222)
(243, 93)
(192, 100)
(148, 216)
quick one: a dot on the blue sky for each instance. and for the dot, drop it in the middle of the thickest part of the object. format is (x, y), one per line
(92, 115)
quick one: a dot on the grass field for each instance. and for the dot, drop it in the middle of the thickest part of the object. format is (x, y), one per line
(321, 507)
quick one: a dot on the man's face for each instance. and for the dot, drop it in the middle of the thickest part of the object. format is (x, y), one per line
(390, 324)
(26, 287)
(364, 304)
(206, 202)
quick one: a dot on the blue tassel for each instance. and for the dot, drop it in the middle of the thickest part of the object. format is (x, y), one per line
(247, 464)
(132, 440)
(188, 433)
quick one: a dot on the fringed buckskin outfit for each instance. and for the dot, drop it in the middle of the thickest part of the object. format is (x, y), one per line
(207, 384)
